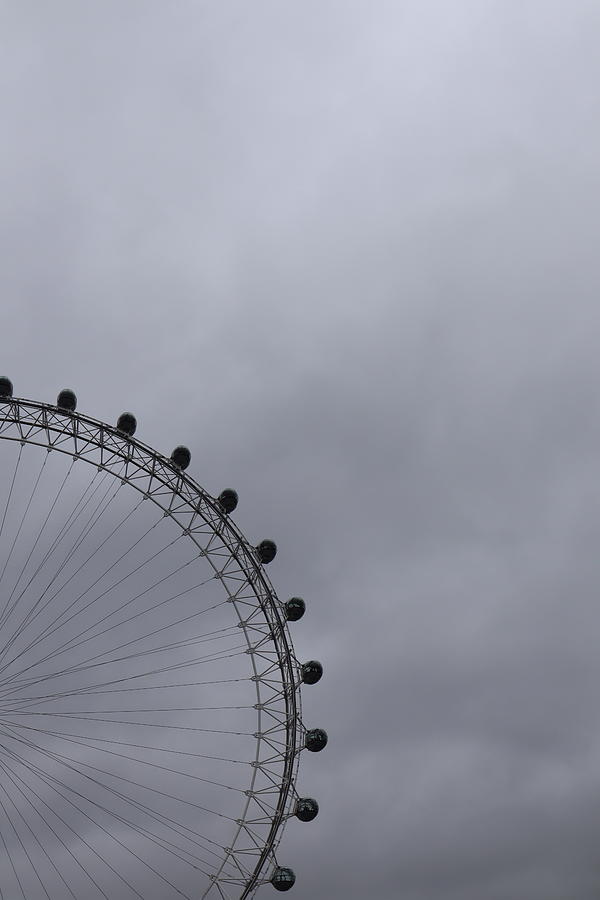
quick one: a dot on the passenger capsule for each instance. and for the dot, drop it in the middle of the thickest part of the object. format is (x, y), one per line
(6, 388)
(316, 740)
(67, 400)
(283, 879)
(266, 551)
(312, 671)
(228, 500)
(181, 456)
(307, 809)
(295, 608)
(127, 423)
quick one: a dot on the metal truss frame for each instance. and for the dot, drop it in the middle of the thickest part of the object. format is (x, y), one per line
(276, 672)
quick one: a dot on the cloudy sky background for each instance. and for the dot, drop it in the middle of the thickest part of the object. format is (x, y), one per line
(347, 253)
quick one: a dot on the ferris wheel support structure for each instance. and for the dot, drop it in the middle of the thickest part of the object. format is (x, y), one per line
(271, 796)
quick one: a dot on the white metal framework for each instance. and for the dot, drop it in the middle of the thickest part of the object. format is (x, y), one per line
(90, 796)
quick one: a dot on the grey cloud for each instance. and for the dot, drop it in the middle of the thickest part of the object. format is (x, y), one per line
(347, 252)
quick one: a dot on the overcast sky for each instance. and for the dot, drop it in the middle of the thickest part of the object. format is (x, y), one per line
(347, 252)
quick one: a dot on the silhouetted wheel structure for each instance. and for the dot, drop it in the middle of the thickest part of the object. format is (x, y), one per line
(150, 720)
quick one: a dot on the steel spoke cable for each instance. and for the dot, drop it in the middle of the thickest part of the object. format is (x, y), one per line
(220, 634)
(56, 835)
(170, 726)
(16, 537)
(153, 838)
(85, 692)
(8, 852)
(77, 509)
(74, 514)
(30, 617)
(37, 540)
(84, 666)
(33, 834)
(78, 712)
(18, 632)
(49, 630)
(90, 689)
(66, 735)
(209, 658)
(60, 758)
(67, 525)
(48, 779)
(12, 485)
(108, 833)
(35, 770)
(20, 840)
(69, 645)
(96, 514)
(149, 609)
(171, 822)
(201, 660)
(202, 638)
(59, 651)
(97, 550)
(155, 766)
(228, 631)
(31, 614)
(9, 497)
(158, 817)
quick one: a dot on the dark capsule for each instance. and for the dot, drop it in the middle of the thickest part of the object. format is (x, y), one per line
(267, 551)
(67, 400)
(181, 457)
(312, 671)
(6, 388)
(127, 423)
(283, 879)
(307, 809)
(228, 500)
(316, 740)
(295, 608)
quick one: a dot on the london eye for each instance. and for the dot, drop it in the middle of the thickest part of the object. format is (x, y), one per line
(150, 697)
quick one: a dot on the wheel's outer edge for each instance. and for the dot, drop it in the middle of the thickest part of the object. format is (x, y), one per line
(31, 419)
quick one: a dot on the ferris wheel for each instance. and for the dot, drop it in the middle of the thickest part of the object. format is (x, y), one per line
(150, 714)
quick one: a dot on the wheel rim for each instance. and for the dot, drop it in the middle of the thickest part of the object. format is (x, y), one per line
(248, 858)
